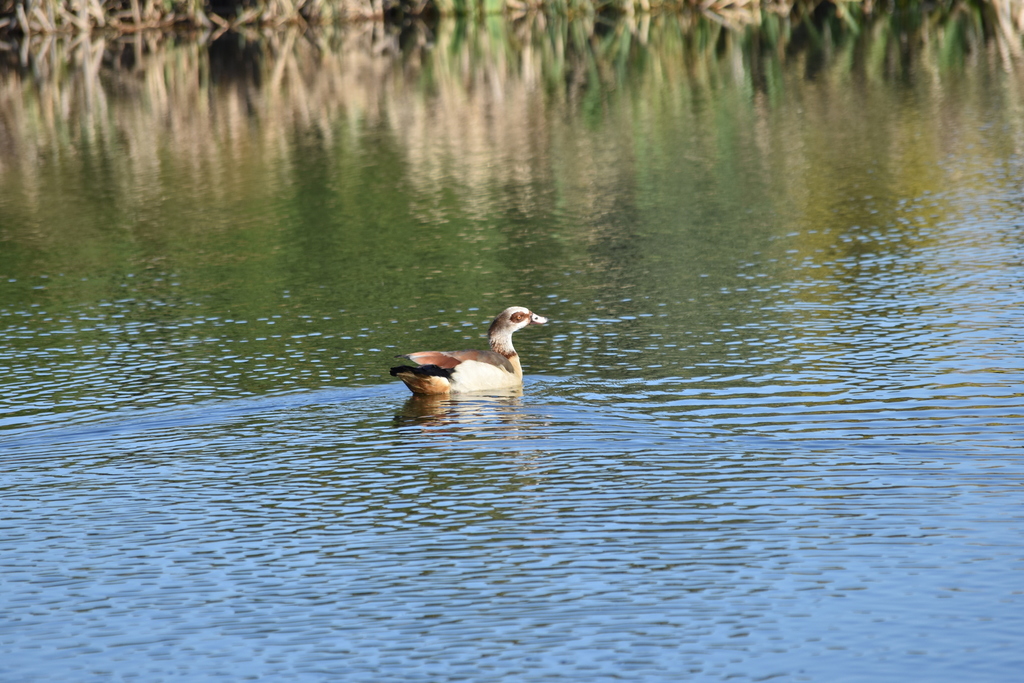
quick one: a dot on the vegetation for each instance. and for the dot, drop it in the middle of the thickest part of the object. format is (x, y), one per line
(27, 17)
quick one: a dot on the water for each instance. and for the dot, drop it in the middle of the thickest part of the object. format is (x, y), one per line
(773, 429)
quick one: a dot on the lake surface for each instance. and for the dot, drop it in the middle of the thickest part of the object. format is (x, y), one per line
(774, 429)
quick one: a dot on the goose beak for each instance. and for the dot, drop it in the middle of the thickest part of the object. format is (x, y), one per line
(537, 319)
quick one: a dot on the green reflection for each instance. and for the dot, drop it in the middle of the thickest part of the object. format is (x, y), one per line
(392, 190)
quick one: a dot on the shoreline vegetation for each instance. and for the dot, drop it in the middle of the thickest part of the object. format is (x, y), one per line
(476, 119)
(48, 17)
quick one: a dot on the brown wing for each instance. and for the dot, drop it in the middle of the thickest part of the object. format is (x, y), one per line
(449, 359)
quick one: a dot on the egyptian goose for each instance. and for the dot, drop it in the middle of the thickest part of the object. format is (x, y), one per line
(442, 372)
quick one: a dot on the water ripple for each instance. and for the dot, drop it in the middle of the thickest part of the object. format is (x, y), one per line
(773, 446)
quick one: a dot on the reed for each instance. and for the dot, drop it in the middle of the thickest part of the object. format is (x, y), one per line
(28, 17)
(454, 89)
(128, 16)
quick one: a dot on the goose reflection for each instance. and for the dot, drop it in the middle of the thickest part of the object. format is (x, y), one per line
(497, 410)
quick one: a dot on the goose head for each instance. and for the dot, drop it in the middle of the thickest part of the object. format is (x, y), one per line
(508, 321)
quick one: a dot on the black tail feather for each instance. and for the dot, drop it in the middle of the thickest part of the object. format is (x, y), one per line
(423, 371)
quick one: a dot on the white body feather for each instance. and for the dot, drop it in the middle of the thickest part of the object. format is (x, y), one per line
(475, 376)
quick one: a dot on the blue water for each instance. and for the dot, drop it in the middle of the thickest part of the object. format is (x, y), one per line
(743, 527)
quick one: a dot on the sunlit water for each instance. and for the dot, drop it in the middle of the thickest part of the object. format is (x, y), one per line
(762, 436)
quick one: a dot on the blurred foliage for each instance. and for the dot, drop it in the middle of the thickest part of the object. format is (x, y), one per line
(26, 17)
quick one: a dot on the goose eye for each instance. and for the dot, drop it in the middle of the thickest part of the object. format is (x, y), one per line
(518, 317)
